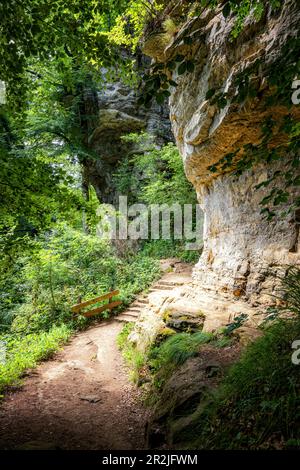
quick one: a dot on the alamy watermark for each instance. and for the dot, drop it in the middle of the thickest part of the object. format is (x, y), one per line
(2, 92)
(296, 353)
(152, 222)
(296, 93)
(2, 353)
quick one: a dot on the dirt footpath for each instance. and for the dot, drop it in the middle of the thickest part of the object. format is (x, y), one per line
(82, 399)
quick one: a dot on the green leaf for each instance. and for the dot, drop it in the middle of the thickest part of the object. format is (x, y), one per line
(226, 10)
(182, 68)
(222, 102)
(190, 66)
(171, 65)
(179, 58)
(210, 93)
(188, 40)
(160, 98)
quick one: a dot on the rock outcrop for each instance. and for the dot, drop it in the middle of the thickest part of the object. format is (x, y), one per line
(242, 251)
(183, 398)
(119, 114)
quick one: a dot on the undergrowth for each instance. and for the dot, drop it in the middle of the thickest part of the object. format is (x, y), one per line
(159, 249)
(177, 349)
(158, 362)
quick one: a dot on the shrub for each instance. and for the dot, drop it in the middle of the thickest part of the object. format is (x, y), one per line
(156, 176)
(123, 335)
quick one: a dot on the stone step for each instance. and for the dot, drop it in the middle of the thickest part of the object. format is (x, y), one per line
(126, 318)
(169, 283)
(131, 313)
(138, 305)
(134, 309)
(158, 288)
(178, 278)
(142, 301)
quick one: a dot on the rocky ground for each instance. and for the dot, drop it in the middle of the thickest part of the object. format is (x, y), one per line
(171, 424)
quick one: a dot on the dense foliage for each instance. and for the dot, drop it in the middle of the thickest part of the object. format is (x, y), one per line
(154, 176)
(50, 251)
(52, 30)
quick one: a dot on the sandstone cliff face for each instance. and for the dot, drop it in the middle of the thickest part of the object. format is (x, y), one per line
(240, 248)
(118, 114)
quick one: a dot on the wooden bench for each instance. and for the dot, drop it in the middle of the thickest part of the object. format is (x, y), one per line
(77, 309)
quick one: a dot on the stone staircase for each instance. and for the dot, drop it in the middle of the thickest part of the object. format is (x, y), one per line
(168, 282)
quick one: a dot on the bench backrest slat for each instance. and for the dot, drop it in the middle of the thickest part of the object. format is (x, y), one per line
(90, 313)
(77, 307)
